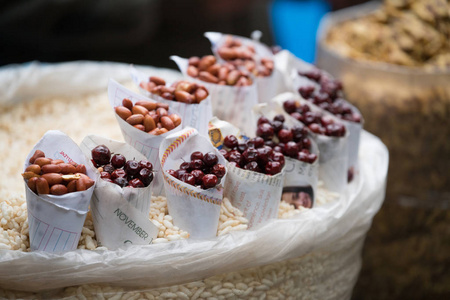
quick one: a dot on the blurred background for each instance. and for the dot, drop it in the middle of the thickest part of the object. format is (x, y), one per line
(407, 250)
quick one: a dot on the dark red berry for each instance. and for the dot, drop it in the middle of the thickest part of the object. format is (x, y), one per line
(136, 183)
(291, 149)
(188, 178)
(108, 168)
(219, 170)
(146, 164)
(230, 141)
(210, 159)
(285, 135)
(132, 167)
(256, 142)
(118, 161)
(101, 155)
(121, 181)
(273, 167)
(224, 153)
(198, 175)
(265, 131)
(146, 176)
(118, 173)
(278, 157)
(263, 120)
(180, 172)
(290, 106)
(209, 181)
(251, 154)
(185, 166)
(172, 173)
(235, 156)
(196, 155)
(241, 147)
(105, 175)
(277, 126)
(306, 91)
(279, 118)
(252, 166)
(196, 164)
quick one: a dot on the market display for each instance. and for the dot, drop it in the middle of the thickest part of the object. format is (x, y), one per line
(169, 181)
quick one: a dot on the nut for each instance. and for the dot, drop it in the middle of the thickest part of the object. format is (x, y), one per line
(205, 76)
(51, 168)
(192, 71)
(42, 186)
(167, 123)
(184, 97)
(175, 119)
(33, 168)
(127, 103)
(137, 109)
(32, 184)
(135, 119)
(37, 153)
(149, 123)
(41, 161)
(147, 104)
(53, 178)
(58, 189)
(157, 80)
(123, 112)
(68, 168)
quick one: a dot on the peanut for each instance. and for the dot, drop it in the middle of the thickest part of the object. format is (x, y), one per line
(200, 94)
(37, 153)
(80, 169)
(135, 119)
(184, 97)
(68, 168)
(123, 112)
(139, 126)
(149, 123)
(57, 161)
(33, 168)
(41, 161)
(167, 123)
(53, 178)
(127, 103)
(167, 96)
(51, 168)
(42, 186)
(192, 71)
(206, 61)
(32, 184)
(28, 175)
(147, 104)
(175, 119)
(137, 109)
(205, 76)
(157, 80)
(58, 189)
(72, 186)
(162, 105)
(161, 112)
(194, 61)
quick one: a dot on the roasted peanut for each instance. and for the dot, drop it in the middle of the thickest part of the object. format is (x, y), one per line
(80, 169)
(139, 126)
(147, 104)
(192, 71)
(123, 112)
(37, 153)
(200, 94)
(149, 123)
(233, 77)
(32, 183)
(33, 168)
(157, 80)
(68, 168)
(81, 185)
(51, 168)
(205, 76)
(135, 119)
(147, 85)
(72, 186)
(167, 123)
(161, 112)
(175, 119)
(127, 103)
(57, 161)
(163, 130)
(184, 97)
(167, 96)
(42, 186)
(58, 189)
(28, 175)
(41, 161)
(206, 61)
(137, 109)
(194, 61)
(53, 178)
(162, 105)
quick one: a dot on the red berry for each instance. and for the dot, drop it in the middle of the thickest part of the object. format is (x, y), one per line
(209, 181)
(101, 155)
(105, 175)
(198, 175)
(118, 161)
(210, 159)
(273, 167)
(136, 183)
(146, 164)
(218, 170)
(196, 155)
(118, 173)
(132, 167)
(230, 141)
(285, 135)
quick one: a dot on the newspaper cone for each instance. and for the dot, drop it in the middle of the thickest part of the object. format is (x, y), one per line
(145, 143)
(120, 215)
(194, 209)
(196, 115)
(56, 222)
(229, 103)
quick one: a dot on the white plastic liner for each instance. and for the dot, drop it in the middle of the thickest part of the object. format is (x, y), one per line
(334, 226)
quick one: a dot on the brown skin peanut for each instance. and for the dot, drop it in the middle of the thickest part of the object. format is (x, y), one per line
(53, 178)
(167, 123)
(41, 161)
(51, 168)
(37, 153)
(147, 104)
(32, 184)
(68, 169)
(137, 109)
(72, 186)
(162, 105)
(149, 123)
(28, 175)
(135, 119)
(33, 168)
(200, 94)
(42, 186)
(184, 97)
(192, 71)
(127, 103)
(157, 80)
(57, 161)
(205, 76)
(123, 112)
(80, 169)
(58, 189)
(175, 119)
(139, 126)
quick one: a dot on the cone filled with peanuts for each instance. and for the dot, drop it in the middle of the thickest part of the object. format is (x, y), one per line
(144, 123)
(190, 99)
(59, 182)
